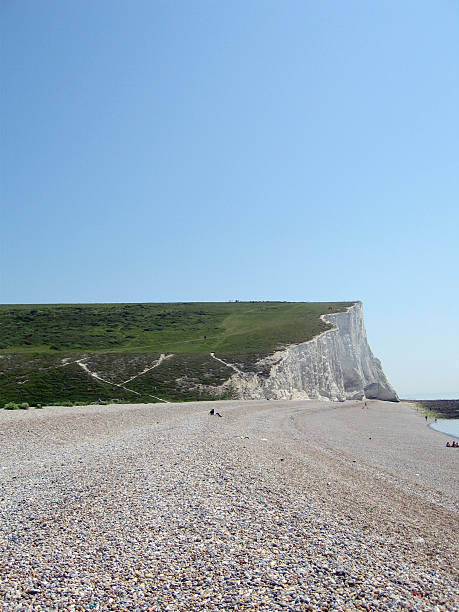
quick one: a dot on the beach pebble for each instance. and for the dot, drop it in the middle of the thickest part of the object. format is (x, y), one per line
(107, 510)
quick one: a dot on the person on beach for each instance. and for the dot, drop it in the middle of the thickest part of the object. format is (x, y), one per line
(448, 444)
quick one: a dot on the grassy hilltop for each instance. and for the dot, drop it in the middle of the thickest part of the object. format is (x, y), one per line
(40, 346)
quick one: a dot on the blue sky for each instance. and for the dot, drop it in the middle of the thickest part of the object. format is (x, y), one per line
(188, 151)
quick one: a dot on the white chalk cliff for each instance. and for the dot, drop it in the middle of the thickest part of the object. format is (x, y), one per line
(336, 365)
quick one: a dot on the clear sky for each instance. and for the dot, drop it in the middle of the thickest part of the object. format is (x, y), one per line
(204, 150)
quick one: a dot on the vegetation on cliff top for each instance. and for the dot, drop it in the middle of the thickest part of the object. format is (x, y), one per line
(40, 346)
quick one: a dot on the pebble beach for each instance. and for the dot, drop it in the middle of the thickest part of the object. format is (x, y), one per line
(277, 505)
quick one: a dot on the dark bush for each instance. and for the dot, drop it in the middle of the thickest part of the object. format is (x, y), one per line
(11, 406)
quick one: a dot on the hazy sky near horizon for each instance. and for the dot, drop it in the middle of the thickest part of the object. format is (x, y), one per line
(207, 151)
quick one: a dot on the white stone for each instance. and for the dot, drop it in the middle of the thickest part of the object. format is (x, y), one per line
(336, 365)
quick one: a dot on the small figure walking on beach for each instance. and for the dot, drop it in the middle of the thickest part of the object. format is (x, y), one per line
(425, 417)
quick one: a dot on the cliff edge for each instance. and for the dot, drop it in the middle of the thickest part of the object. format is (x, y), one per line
(59, 354)
(336, 365)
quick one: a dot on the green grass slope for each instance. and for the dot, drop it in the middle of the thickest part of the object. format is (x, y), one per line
(40, 346)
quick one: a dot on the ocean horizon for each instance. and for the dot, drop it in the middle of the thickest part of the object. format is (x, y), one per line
(430, 396)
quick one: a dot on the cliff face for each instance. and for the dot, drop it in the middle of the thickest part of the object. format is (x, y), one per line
(336, 365)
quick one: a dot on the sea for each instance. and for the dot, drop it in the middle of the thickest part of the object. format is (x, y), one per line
(447, 426)
(430, 396)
